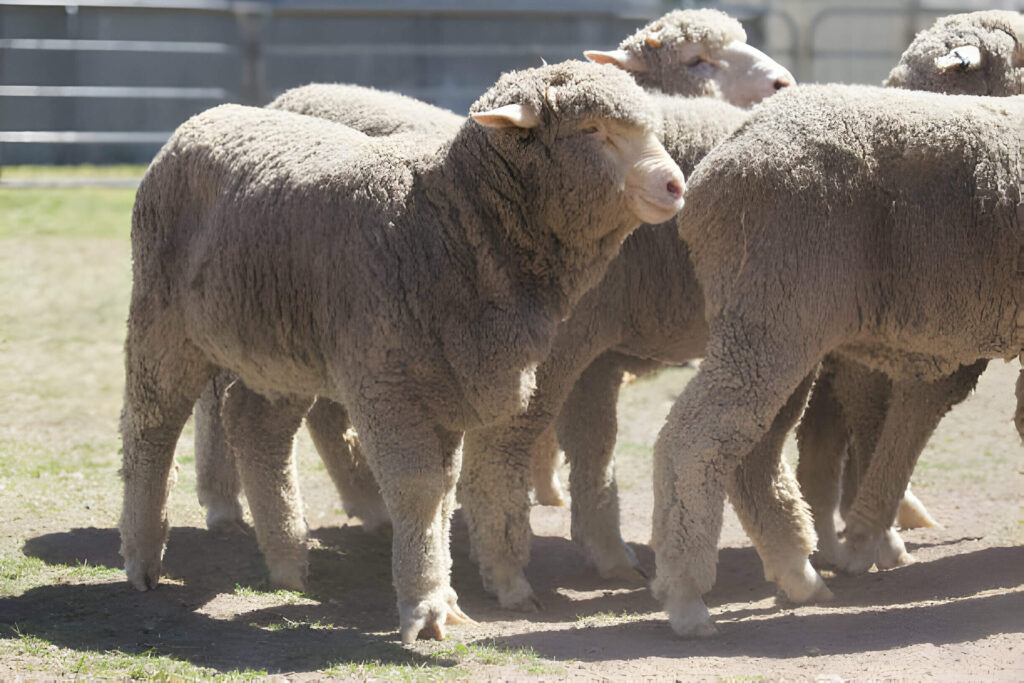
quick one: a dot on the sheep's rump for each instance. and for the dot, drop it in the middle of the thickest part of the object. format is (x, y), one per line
(895, 216)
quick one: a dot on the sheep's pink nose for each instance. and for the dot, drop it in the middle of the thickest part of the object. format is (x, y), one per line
(781, 83)
(674, 189)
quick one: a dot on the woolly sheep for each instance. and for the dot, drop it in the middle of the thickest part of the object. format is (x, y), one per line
(977, 53)
(847, 395)
(375, 113)
(698, 52)
(648, 305)
(424, 311)
(792, 268)
(725, 66)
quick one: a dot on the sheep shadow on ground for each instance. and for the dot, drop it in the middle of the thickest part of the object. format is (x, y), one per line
(349, 615)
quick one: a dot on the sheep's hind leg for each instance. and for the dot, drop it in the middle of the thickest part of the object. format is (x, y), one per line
(417, 464)
(494, 493)
(822, 440)
(718, 419)
(217, 482)
(768, 503)
(261, 432)
(914, 411)
(338, 445)
(163, 378)
(544, 460)
(587, 429)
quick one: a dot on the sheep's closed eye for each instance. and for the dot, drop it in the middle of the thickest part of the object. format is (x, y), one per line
(589, 130)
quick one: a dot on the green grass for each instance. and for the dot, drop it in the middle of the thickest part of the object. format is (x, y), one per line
(34, 653)
(65, 172)
(66, 212)
(19, 574)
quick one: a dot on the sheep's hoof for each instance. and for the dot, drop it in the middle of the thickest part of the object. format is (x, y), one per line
(690, 618)
(288, 576)
(801, 584)
(620, 566)
(891, 552)
(550, 497)
(225, 518)
(527, 603)
(430, 617)
(857, 553)
(912, 514)
(143, 576)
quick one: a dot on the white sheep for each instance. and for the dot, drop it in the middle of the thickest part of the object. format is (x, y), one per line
(416, 286)
(698, 52)
(375, 113)
(648, 305)
(977, 53)
(690, 52)
(829, 223)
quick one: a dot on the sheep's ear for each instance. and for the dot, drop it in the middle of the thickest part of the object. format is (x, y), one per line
(511, 115)
(624, 59)
(963, 58)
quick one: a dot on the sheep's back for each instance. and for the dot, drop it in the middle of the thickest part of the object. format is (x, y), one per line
(867, 201)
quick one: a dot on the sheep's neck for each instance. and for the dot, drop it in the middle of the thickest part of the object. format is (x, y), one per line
(514, 255)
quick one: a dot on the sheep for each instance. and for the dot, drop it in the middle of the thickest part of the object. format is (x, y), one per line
(419, 288)
(371, 111)
(706, 45)
(846, 394)
(375, 113)
(698, 52)
(648, 305)
(829, 223)
(977, 53)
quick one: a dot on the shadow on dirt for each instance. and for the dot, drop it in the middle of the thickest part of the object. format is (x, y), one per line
(350, 614)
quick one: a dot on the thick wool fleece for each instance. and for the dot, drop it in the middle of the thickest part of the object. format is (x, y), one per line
(830, 222)
(999, 37)
(416, 285)
(648, 306)
(661, 43)
(375, 113)
(371, 111)
(847, 407)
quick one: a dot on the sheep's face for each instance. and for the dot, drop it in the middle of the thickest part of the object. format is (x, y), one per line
(582, 160)
(735, 72)
(652, 181)
(967, 54)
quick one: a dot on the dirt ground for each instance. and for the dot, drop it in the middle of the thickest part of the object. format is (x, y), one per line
(956, 614)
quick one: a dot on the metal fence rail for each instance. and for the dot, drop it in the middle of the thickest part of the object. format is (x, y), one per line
(70, 71)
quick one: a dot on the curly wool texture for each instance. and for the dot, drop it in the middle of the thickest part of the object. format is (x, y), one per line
(648, 305)
(368, 110)
(998, 35)
(661, 45)
(415, 284)
(831, 221)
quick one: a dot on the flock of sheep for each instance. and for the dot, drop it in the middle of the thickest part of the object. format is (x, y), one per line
(449, 300)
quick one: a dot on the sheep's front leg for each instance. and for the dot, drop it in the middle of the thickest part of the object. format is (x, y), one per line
(260, 432)
(768, 503)
(724, 411)
(494, 492)
(416, 463)
(587, 429)
(217, 480)
(338, 446)
(914, 411)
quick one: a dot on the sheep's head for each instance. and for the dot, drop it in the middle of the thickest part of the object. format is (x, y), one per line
(978, 53)
(581, 140)
(698, 52)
